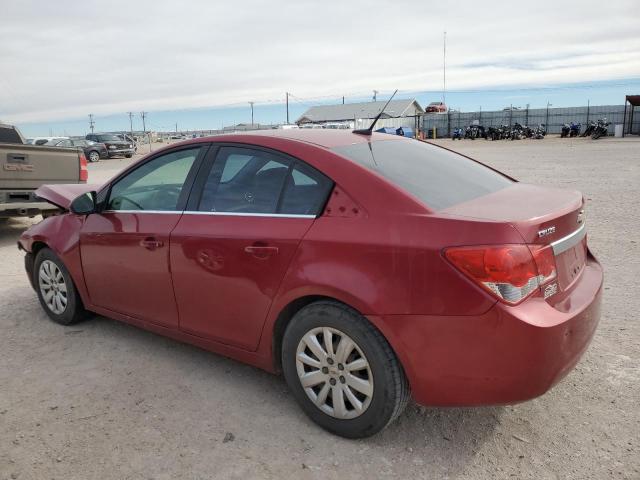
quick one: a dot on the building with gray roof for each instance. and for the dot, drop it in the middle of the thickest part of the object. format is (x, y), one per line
(351, 111)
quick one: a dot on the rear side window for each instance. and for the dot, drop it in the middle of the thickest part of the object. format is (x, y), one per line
(247, 180)
(438, 177)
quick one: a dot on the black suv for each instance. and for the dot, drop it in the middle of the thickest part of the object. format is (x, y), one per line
(115, 145)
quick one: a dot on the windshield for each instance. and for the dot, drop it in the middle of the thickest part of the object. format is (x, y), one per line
(109, 138)
(436, 176)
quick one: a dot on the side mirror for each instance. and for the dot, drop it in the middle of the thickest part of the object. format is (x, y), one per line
(85, 204)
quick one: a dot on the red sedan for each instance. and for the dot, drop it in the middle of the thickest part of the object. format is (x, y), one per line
(366, 268)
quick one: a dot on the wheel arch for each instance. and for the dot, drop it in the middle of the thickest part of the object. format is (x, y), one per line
(288, 312)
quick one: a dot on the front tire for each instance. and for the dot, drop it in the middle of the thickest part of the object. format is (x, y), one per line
(128, 155)
(56, 290)
(342, 371)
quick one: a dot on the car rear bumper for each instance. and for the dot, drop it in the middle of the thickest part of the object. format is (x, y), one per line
(21, 203)
(508, 355)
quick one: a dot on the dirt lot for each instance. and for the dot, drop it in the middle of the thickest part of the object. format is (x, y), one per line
(103, 400)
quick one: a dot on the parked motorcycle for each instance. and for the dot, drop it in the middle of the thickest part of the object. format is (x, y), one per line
(590, 128)
(574, 129)
(518, 132)
(457, 134)
(600, 130)
(566, 129)
(539, 132)
(475, 131)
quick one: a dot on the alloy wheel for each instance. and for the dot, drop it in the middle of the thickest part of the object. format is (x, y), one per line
(334, 373)
(52, 287)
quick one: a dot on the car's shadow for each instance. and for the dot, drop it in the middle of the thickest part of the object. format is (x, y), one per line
(454, 433)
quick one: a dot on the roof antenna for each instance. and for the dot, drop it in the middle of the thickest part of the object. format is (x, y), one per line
(368, 131)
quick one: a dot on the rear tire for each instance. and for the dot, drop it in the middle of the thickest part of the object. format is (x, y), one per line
(56, 290)
(128, 155)
(354, 383)
(94, 156)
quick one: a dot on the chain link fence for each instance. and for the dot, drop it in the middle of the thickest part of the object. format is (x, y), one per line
(553, 118)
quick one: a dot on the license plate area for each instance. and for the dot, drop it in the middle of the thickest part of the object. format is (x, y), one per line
(570, 264)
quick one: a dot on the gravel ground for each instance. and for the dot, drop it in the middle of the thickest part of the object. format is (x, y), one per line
(104, 400)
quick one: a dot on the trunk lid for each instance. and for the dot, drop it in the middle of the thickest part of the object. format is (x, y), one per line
(541, 215)
(62, 195)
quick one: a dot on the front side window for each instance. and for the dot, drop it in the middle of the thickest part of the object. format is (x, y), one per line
(155, 185)
(245, 180)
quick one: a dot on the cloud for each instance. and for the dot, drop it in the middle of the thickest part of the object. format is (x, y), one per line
(69, 58)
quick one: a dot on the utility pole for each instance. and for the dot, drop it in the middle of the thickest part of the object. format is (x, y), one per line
(375, 95)
(130, 123)
(91, 122)
(144, 125)
(287, 95)
(176, 127)
(444, 68)
(546, 124)
(343, 99)
(251, 103)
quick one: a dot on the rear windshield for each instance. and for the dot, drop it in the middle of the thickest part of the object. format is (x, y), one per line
(9, 135)
(436, 176)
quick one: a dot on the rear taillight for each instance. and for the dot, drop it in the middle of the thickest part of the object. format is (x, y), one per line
(510, 272)
(84, 172)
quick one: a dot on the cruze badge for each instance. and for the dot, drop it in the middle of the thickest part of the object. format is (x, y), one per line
(546, 231)
(550, 289)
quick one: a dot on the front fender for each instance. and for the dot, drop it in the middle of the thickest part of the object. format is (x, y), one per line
(60, 233)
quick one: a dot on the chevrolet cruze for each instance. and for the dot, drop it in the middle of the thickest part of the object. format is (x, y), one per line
(367, 268)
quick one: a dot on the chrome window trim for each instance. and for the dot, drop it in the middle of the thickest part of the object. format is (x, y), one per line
(571, 240)
(239, 214)
(221, 214)
(175, 212)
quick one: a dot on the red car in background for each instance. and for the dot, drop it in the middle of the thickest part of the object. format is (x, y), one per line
(366, 268)
(436, 107)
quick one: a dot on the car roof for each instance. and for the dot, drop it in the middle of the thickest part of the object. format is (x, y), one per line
(329, 138)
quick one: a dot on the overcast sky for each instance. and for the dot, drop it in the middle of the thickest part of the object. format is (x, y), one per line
(65, 59)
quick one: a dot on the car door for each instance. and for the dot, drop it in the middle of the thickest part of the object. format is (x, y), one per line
(233, 245)
(125, 248)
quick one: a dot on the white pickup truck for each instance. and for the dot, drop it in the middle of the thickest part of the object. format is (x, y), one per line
(24, 168)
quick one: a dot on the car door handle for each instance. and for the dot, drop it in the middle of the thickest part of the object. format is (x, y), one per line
(151, 243)
(261, 251)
